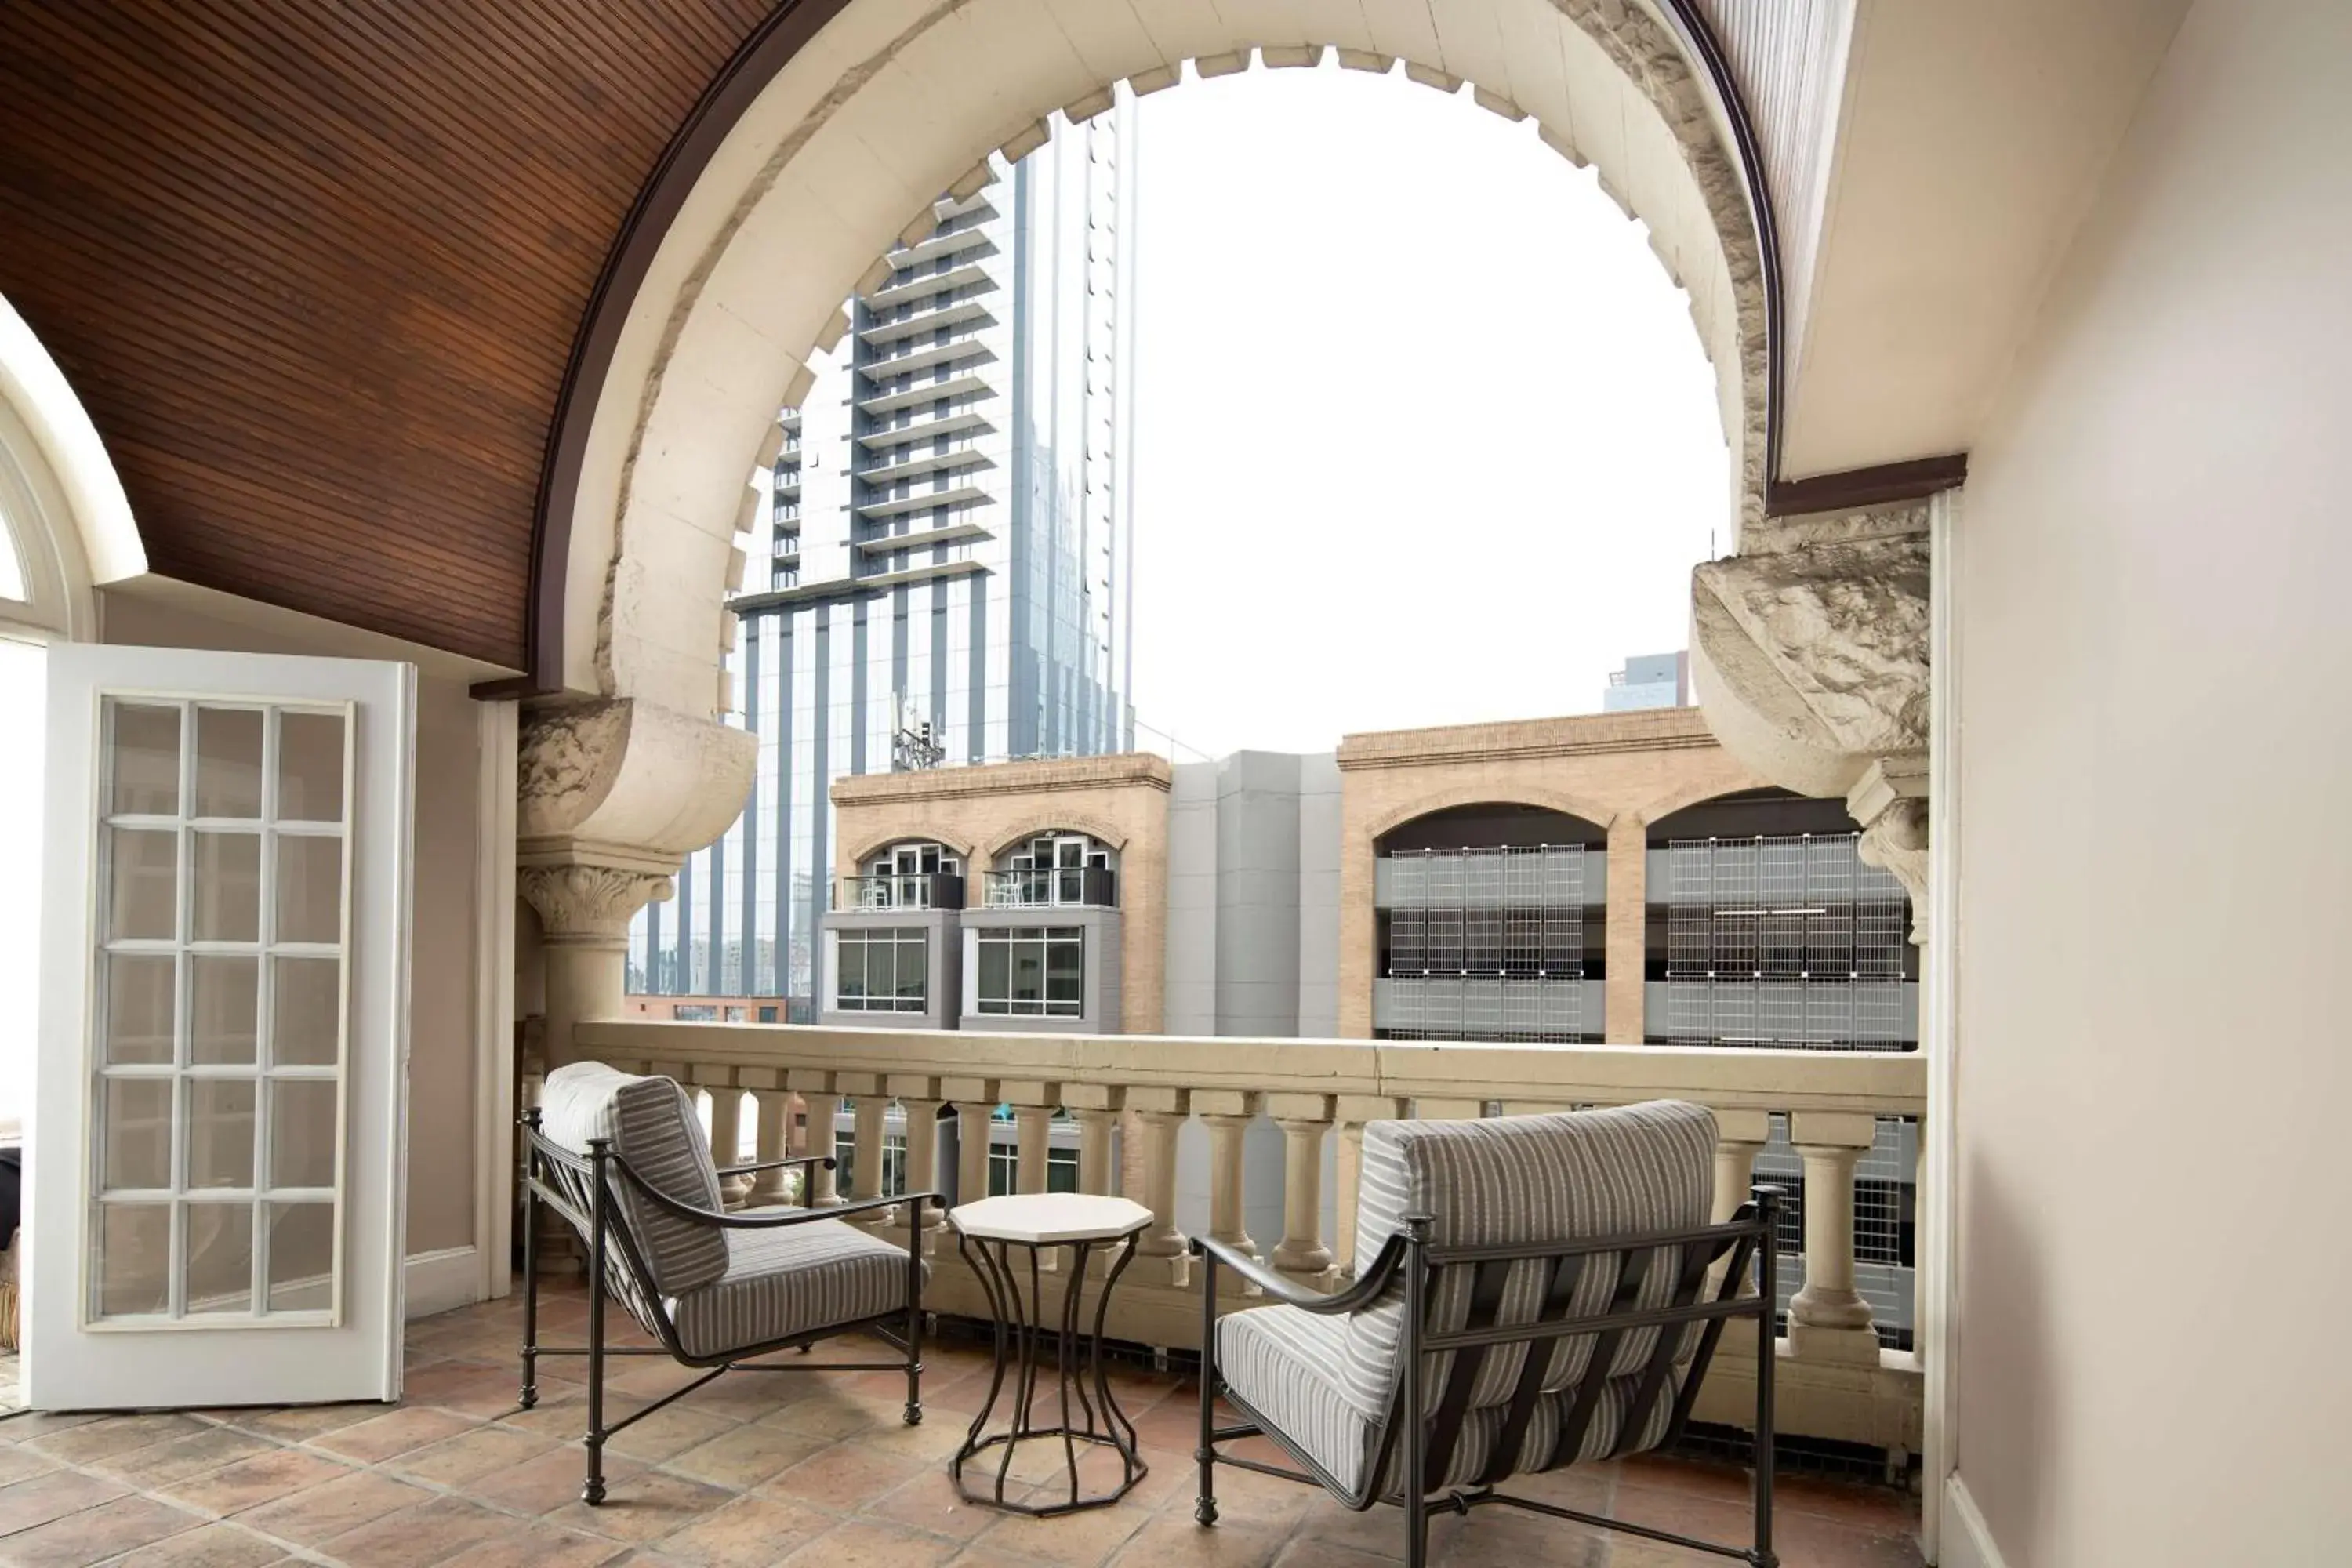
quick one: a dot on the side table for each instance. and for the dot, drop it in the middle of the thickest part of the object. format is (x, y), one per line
(987, 1233)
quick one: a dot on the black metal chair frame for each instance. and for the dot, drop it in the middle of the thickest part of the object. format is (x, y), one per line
(1430, 1429)
(611, 1244)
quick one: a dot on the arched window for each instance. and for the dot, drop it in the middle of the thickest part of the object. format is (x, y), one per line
(913, 874)
(1058, 870)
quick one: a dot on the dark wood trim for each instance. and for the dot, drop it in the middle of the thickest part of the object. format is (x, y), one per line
(762, 55)
(1700, 41)
(1866, 486)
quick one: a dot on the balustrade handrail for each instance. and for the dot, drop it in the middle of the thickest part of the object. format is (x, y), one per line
(1721, 1078)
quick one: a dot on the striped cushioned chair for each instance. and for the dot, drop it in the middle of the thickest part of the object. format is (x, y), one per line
(623, 1160)
(1556, 1279)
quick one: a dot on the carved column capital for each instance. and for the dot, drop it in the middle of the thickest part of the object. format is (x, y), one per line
(1890, 802)
(590, 906)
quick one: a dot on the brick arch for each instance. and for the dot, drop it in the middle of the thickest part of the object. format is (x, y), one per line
(1107, 832)
(1686, 796)
(964, 848)
(1592, 810)
(740, 283)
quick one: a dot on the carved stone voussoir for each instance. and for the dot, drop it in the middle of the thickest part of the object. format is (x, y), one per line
(590, 906)
(1812, 661)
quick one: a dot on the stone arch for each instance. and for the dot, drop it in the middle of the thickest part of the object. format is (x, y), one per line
(891, 103)
(1471, 793)
(1103, 832)
(881, 841)
(63, 512)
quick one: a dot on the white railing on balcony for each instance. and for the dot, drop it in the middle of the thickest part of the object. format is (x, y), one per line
(1132, 1098)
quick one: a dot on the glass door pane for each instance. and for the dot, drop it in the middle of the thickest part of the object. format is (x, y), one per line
(218, 1050)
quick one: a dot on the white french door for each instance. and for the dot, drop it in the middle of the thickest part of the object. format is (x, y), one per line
(216, 1158)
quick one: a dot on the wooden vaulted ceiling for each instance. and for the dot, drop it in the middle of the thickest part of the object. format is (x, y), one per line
(317, 271)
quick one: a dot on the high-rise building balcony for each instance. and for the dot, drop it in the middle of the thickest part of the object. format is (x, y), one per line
(963, 493)
(956, 421)
(954, 533)
(945, 242)
(911, 465)
(946, 311)
(923, 284)
(956, 386)
(963, 348)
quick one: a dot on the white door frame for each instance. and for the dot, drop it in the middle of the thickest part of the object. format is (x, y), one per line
(493, 977)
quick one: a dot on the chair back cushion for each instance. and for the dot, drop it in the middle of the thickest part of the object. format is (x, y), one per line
(1518, 1181)
(654, 1126)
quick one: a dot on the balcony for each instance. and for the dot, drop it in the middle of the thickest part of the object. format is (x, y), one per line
(1063, 887)
(900, 890)
(1271, 1112)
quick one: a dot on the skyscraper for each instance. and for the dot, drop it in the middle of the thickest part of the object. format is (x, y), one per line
(947, 574)
(1648, 681)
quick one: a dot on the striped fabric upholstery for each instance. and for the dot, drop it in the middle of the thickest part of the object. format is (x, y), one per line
(1284, 1364)
(789, 1281)
(1328, 1384)
(1522, 1179)
(653, 1125)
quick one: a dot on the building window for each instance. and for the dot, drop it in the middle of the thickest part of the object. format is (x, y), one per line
(1034, 971)
(883, 972)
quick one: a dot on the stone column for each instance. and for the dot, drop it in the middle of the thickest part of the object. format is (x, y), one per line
(824, 1185)
(613, 794)
(1095, 1108)
(1740, 1136)
(975, 1103)
(727, 1142)
(1304, 1120)
(869, 1113)
(923, 1155)
(1828, 1319)
(1627, 942)
(584, 912)
(1033, 1127)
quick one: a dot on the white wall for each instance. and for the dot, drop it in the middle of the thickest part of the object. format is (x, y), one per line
(2156, 770)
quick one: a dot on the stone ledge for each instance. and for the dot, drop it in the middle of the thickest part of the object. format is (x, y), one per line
(1585, 734)
(1141, 768)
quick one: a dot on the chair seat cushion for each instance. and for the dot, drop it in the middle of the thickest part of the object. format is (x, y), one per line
(792, 1281)
(1285, 1365)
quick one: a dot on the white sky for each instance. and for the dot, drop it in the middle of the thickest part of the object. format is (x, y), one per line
(1424, 432)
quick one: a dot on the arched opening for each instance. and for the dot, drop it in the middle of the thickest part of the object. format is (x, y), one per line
(1491, 924)
(741, 292)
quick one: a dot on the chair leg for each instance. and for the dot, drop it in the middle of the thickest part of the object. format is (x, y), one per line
(914, 1412)
(1204, 1505)
(592, 1491)
(529, 1397)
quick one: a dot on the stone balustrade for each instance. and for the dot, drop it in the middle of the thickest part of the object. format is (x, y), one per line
(1130, 1098)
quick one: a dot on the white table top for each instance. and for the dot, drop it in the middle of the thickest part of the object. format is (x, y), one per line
(1045, 1219)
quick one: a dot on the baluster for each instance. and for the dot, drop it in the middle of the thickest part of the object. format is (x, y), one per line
(870, 1125)
(823, 1105)
(1304, 1119)
(771, 1113)
(1352, 1111)
(1096, 1110)
(920, 1098)
(1162, 1112)
(1828, 1319)
(727, 1140)
(1740, 1136)
(975, 1102)
(1033, 1129)
(1227, 1113)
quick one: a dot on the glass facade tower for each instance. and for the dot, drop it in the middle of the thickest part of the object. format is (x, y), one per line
(945, 577)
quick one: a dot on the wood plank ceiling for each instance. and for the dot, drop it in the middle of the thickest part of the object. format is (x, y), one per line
(315, 270)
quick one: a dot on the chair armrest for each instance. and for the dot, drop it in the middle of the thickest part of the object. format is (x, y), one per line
(759, 1219)
(825, 1160)
(1290, 1292)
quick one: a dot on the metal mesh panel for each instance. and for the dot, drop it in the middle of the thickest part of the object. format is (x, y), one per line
(1486, 943)
(1789, 940)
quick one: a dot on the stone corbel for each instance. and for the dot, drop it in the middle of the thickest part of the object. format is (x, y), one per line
(590, 906)
(1810, 648)
(1890, 802)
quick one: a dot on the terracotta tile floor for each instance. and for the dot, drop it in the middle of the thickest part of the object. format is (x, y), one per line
(801, 1468)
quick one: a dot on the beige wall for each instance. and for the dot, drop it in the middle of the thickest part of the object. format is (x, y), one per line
(2152, 558)
(441, 1070)
(1619, 771)
(984, 811)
